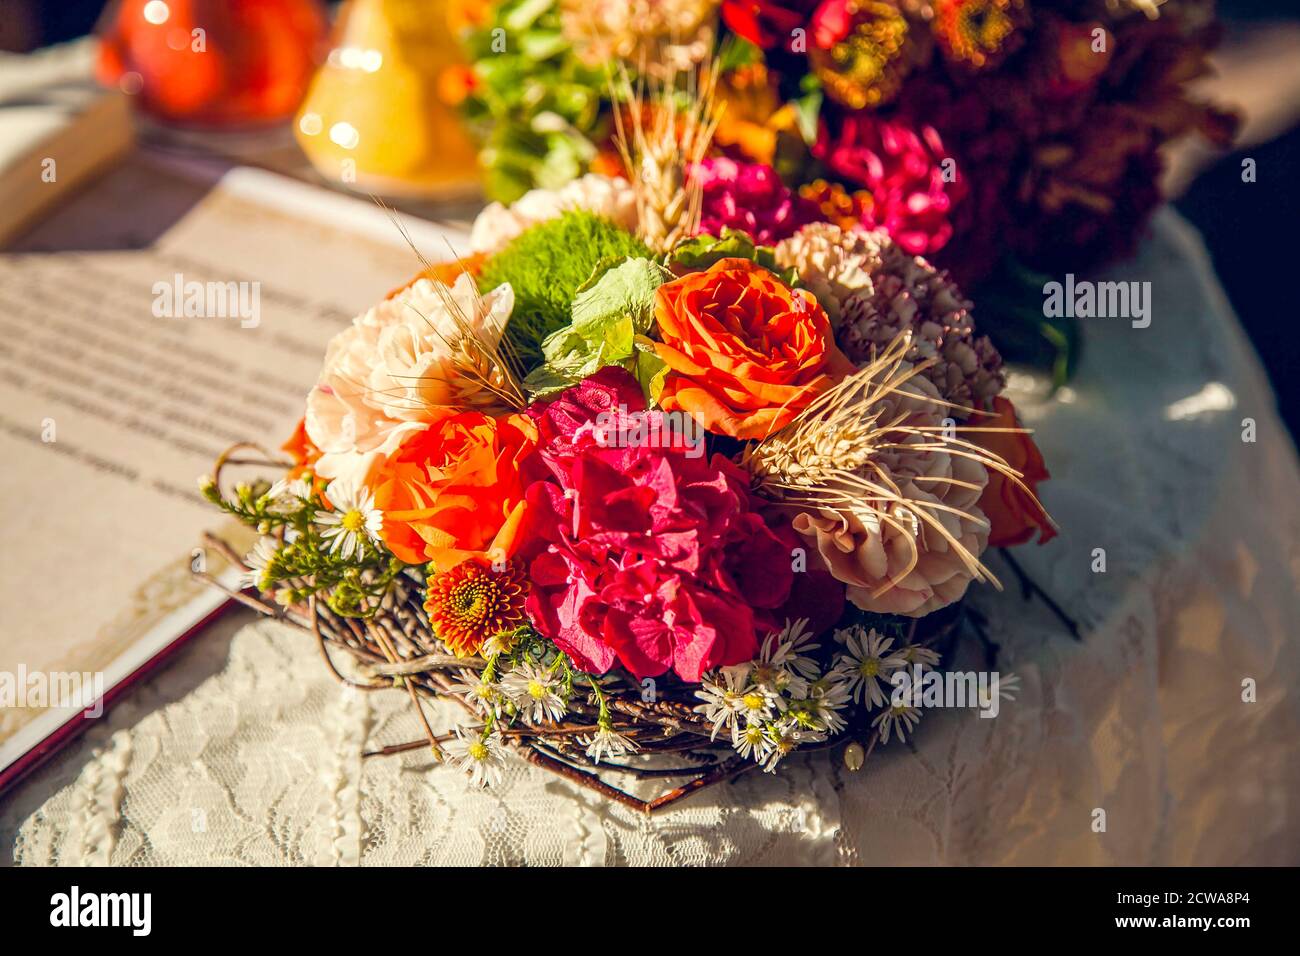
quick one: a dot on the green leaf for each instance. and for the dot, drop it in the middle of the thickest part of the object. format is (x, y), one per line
(737, 52)
(544, 380)
(618, 338)
(523, 16)
(611, 313)
(627, 289)
(704, 250)
(1010, 312)
(807, 111)
(650, 372)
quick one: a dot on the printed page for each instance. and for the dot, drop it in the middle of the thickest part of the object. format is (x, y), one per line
(160, 317)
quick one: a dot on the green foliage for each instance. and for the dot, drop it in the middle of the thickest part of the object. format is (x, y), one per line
(613, 314)
(1010, 312)
(547, 266)
(303, 565)
(704, 250)
(737, 52)
(538, 109)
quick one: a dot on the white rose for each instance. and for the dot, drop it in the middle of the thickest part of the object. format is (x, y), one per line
(390, 373)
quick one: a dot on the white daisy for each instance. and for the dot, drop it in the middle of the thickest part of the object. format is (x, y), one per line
(866, 662)
(785, 737)
(760, 703)
(751, 741)
(258, 560)
(287, 497)
(535, 691)
(900, 718)
(607, 742)
(789, 647)
(820, 710)
(781, 744)
(484, 696)
(354, 523)
(721, 691)
(479, 755)
(919, 655)
(503, 642)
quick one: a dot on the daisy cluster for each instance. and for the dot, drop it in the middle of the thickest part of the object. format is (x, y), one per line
(313, 541)
(527, 679)
(787, 698)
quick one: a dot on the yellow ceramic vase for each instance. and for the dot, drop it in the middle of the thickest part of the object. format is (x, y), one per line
(377, 118)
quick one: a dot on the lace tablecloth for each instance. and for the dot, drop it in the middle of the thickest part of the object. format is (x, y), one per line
(245, 751)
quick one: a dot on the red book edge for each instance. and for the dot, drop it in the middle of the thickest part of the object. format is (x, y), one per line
(78, 724)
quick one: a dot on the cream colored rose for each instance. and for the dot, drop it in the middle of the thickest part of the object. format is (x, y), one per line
(611, 198)
(390, 373)
(892, 561)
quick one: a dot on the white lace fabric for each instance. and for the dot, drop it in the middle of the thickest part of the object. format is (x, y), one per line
(245, 751)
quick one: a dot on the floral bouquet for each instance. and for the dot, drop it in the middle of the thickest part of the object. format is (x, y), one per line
(629, 481)
(999, 138)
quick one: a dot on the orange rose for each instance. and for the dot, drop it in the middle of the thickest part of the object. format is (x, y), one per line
(454, 491)
(304, 452)
(745, 352)
(1013, 513)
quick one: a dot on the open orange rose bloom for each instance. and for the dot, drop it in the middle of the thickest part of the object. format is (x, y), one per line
(747, 352)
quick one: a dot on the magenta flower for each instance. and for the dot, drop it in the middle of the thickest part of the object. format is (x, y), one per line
(648, 552)
(750, 197)
(902, 167)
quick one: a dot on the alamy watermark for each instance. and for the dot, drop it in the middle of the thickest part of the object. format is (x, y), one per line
(53, 689)
(621, 428)
(181, 299)
(133, 911)
(1084, 299)
(980, 690)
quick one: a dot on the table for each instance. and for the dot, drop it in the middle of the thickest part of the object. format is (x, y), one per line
(245, 751)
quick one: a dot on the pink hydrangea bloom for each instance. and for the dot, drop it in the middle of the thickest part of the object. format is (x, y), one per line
(648, 553)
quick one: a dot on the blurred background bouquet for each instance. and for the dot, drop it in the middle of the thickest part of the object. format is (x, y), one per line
(965, 128)
(1000, 139)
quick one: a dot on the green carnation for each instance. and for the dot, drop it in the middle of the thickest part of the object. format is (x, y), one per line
(547, 266)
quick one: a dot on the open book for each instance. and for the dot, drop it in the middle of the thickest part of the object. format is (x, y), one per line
(165, 313)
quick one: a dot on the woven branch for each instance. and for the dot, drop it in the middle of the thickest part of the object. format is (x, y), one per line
(397, 649)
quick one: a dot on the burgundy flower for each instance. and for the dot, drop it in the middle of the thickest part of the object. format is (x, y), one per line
(986, 150)
(901, 166)
(815, 595)
(647, 553)
(750, 197)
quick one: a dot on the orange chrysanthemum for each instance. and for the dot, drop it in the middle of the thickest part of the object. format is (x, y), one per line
(979, 33)
(837, 205)
(474, 601)
(863, 49)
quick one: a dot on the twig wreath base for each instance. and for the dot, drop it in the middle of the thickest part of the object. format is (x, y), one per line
(395, 648)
